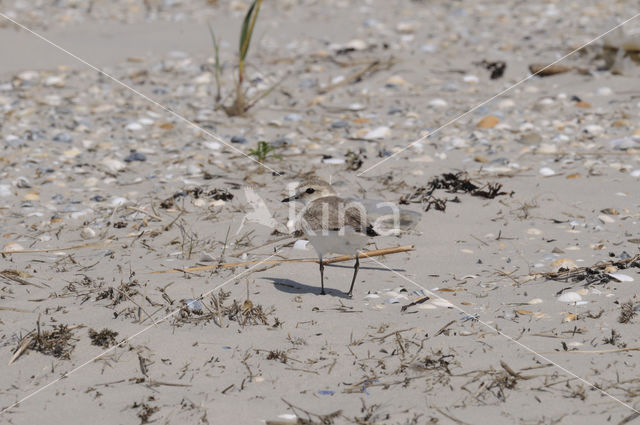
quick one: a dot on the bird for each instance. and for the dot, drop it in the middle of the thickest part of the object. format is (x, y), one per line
(331, 224)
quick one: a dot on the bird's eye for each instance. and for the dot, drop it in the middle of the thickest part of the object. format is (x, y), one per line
(310, 190)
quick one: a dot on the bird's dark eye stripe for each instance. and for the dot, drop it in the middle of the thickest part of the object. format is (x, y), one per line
(310, 190)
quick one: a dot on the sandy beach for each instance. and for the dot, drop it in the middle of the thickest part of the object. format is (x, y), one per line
(141, 226)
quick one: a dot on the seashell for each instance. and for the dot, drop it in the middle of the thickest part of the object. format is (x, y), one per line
(12, 247)
(88, 233)
(570, 297)
(620, 277)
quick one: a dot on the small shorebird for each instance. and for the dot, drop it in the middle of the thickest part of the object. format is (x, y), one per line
(332, 224)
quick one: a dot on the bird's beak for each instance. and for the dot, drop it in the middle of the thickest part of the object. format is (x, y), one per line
(291, 198)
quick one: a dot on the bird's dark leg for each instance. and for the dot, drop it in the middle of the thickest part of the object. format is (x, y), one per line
(356, 267)
(321, 276)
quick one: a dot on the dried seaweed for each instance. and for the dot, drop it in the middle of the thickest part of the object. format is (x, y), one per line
(105, 338)
(197, 192)
(245, 313)
(451, 183)
(626, 312)
(56, 342)
(594, 274)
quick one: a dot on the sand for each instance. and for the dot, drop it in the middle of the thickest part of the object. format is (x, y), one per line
(104, 193)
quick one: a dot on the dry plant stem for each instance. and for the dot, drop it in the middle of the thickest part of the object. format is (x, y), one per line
(613, 350)
(374, 66)
(339, 259)
(68, 248)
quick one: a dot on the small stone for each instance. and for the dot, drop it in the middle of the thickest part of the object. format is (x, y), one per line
(204, 78)
(378, 133)
(239, 139)
(135, 156)
(293, 117)
(605, 219)
(531, 139)
(489, 121)
(625, 143)
(63, 137)
(406, 27)
(113, 165)
(54, 81)
(594, 129)
(470, 79)
(334, 161)
(396, 80)
(438, 103)
(356, 45)
(31, 196)
(340, 124)
(583, 104)
(604, 91)
(547, 148)
(214, 146)
(72, 153)
(134, 126)
(5, 190)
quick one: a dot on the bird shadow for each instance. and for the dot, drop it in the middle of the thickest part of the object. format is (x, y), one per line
(292, 287)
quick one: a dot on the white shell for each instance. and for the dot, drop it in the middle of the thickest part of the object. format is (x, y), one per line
(620, 277)
(570, 297)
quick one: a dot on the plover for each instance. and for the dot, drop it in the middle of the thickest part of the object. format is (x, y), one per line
(332, 224)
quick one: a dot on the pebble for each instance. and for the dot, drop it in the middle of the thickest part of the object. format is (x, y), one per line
(340, 124)
(489, 121)
(547, 148)
(378, 133)
(5, 190)
(239, 139)
(530, 139)
(88, 233)
(594, 129)
(214, 146)
(135, 156)
(605, 219)
(293, 117)
(333, 161)
(625, 143)
(438, 103)
(134, 126)
(63, 137)
(470, 79)
(604, 91)
(113, 165)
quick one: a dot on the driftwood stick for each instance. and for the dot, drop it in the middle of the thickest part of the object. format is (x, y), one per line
(341, 258)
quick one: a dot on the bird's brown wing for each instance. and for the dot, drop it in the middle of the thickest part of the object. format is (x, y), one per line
(333, 213)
